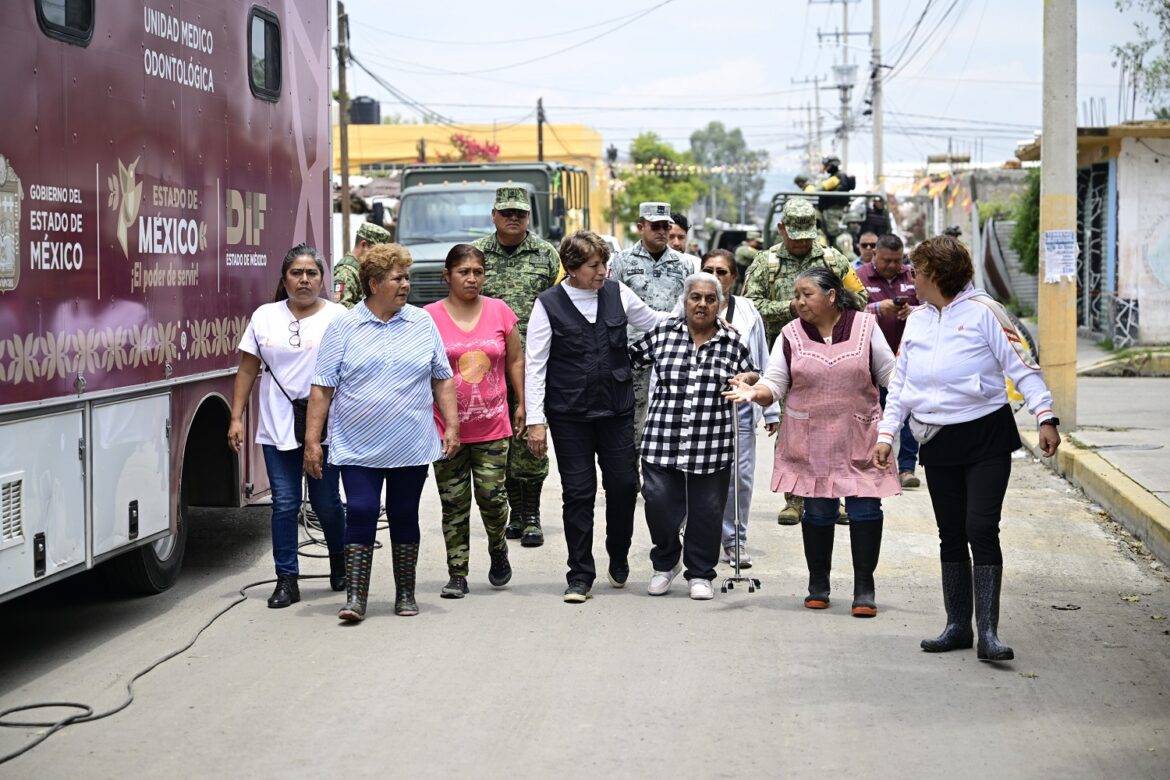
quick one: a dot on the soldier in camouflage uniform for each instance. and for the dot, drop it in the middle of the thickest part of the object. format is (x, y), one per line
(483, 463)
(519, 266)
(655, 273)
(746, 252)
(771, 283)
(347, 287)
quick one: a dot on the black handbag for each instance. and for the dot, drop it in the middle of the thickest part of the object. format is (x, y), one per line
(300, 407)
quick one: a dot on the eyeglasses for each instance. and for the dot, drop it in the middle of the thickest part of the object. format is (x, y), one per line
(513, 214)
(294, 330)
(867, 245)
(717, 271)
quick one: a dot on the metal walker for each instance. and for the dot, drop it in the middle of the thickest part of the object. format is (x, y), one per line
(729, 582)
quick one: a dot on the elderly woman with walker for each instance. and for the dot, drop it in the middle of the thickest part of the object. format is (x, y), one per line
(687, 444)
(826, 366)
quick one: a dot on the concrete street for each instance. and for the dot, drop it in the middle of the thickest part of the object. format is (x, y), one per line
(515, 683)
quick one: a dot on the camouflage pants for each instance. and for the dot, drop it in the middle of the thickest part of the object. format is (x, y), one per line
(483, 464)
(523, 466)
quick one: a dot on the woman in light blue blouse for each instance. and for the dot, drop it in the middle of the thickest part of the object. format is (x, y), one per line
(380, 368)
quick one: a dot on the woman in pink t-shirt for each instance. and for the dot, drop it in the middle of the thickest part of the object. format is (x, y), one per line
(482, 342)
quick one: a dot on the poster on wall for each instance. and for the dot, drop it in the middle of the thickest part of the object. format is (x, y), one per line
(1060, 255)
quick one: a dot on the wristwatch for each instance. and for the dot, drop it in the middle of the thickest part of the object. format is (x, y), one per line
(1053, 421)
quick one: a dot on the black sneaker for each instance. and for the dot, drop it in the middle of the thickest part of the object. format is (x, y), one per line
(577, 593)
(618, 573)
(456, 588)
(501, 571)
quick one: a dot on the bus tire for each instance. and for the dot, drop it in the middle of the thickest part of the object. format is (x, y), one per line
(152, 568)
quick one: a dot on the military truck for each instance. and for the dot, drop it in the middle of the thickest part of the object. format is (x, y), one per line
(450, 203)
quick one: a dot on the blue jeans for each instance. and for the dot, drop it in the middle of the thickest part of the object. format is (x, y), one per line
(744, 473)
(907, 444)
(824, 511)
(285, 470)
(363, 492)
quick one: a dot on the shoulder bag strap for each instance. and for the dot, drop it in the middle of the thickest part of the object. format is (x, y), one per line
(271, 373)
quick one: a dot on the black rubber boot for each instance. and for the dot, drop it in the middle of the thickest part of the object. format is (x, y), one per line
(530, 500)
(956, 587)
(515, 527)
(818, 553)
(865, 542)
(337, 571)
(287, 592)
(359, 562)
(405, 560)
(500, 572)
(987, 586)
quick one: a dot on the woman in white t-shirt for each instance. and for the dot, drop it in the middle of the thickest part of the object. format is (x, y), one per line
(283, 337)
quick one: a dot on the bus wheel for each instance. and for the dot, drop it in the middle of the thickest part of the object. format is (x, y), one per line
(152, 568)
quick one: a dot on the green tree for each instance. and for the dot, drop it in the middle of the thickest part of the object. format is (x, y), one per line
(665, 176)
(1026, 235)
(735, 191)
(1149, 55)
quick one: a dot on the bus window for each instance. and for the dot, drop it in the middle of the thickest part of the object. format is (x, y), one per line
(66, 20)
(264, 54)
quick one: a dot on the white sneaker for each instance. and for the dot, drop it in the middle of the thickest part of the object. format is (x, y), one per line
(725, 556)
(660, 582)
(702, 590)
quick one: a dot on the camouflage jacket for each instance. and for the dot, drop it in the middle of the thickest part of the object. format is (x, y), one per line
(771, 281)
(347, 285)
(518, 278)
(657, 282)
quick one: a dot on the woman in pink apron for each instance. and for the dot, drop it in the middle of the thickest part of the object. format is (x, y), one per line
(826, 368)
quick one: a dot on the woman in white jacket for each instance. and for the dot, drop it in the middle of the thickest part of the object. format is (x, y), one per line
(949, 383)
(745, 318)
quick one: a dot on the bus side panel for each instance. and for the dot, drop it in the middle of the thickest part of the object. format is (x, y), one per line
(42, 498)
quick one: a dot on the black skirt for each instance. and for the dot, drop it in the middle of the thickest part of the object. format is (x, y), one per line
(993, 435)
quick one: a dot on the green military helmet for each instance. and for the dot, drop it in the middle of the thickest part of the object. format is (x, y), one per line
(511, 197)
(374, 234)
(754, 235)
(799, 219)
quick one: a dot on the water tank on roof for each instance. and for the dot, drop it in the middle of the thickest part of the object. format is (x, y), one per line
(365, 110)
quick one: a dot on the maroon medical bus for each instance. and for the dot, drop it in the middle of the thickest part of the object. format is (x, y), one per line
(157, 159)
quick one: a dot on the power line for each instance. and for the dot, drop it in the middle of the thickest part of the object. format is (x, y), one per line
(500, 41)
(570, 47)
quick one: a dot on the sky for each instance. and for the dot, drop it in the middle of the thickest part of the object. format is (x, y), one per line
(969, 78)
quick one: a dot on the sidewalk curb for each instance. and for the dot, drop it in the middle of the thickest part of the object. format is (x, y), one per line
(1129, 503)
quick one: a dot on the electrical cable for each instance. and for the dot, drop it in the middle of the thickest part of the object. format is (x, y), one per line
(86, 714)
(500, 41)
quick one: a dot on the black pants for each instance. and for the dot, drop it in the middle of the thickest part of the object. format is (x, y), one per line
(673, 496)
(967, 502)
(582, 445)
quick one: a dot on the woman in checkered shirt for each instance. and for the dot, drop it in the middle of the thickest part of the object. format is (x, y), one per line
(687, 446)
(826, 367)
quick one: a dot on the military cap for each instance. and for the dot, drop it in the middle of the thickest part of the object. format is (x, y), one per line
(655, 212)
(375, 234)
(511, 197)
(754, 235)
(799, 219)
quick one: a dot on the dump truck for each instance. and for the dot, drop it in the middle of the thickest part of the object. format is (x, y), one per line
(445, 204)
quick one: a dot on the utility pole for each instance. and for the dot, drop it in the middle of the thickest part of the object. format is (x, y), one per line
(343, 119)
(540, 129)
(875, 80)
(816, 147)
(845, 72)
(1058, 207)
